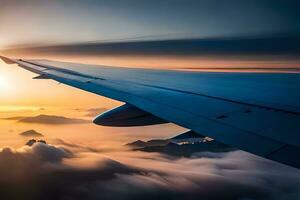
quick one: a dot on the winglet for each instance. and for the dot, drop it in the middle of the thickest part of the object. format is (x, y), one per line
(7, 60)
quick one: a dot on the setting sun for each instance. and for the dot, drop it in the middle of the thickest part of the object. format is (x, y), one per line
(4, 83)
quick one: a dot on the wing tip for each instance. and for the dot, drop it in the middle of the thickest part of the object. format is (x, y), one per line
(7, 60)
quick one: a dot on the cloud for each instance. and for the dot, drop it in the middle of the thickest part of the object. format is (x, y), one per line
(14, 118)
(20, 166)
(31, 133)
(77, 147)
(234, 175)
(45, 171)
(269, 44)
(49, 153)
(49, 119)
(33, 141)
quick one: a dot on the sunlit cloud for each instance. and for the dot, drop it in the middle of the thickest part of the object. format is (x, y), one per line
(74, 171)
(16, 108)
(51, 119)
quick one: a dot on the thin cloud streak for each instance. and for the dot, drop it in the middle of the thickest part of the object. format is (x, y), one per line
(48, 119)
(276, 44)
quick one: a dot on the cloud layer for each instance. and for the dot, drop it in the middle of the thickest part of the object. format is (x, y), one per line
(31, 133)
(271, 44)
(48, 119)
(67, 171)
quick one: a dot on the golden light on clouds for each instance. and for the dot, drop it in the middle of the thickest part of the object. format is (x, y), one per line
(15, 108)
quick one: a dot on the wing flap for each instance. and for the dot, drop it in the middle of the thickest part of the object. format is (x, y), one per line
(55, 73)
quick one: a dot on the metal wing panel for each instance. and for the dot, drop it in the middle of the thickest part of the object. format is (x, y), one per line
(264, 89)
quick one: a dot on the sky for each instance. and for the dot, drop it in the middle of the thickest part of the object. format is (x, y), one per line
(36, 22)
(203, 34)
(86, 161)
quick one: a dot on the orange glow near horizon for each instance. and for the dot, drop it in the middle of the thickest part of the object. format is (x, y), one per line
(166, 62)
(18, 88)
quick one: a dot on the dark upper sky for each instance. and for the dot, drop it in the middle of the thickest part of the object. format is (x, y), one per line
(73, 21)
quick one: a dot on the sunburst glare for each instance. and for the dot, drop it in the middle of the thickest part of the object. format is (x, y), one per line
(4, 84)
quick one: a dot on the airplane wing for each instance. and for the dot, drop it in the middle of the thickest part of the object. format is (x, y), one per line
(256, 112)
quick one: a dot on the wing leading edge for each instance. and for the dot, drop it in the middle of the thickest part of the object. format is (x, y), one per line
(258, 113)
